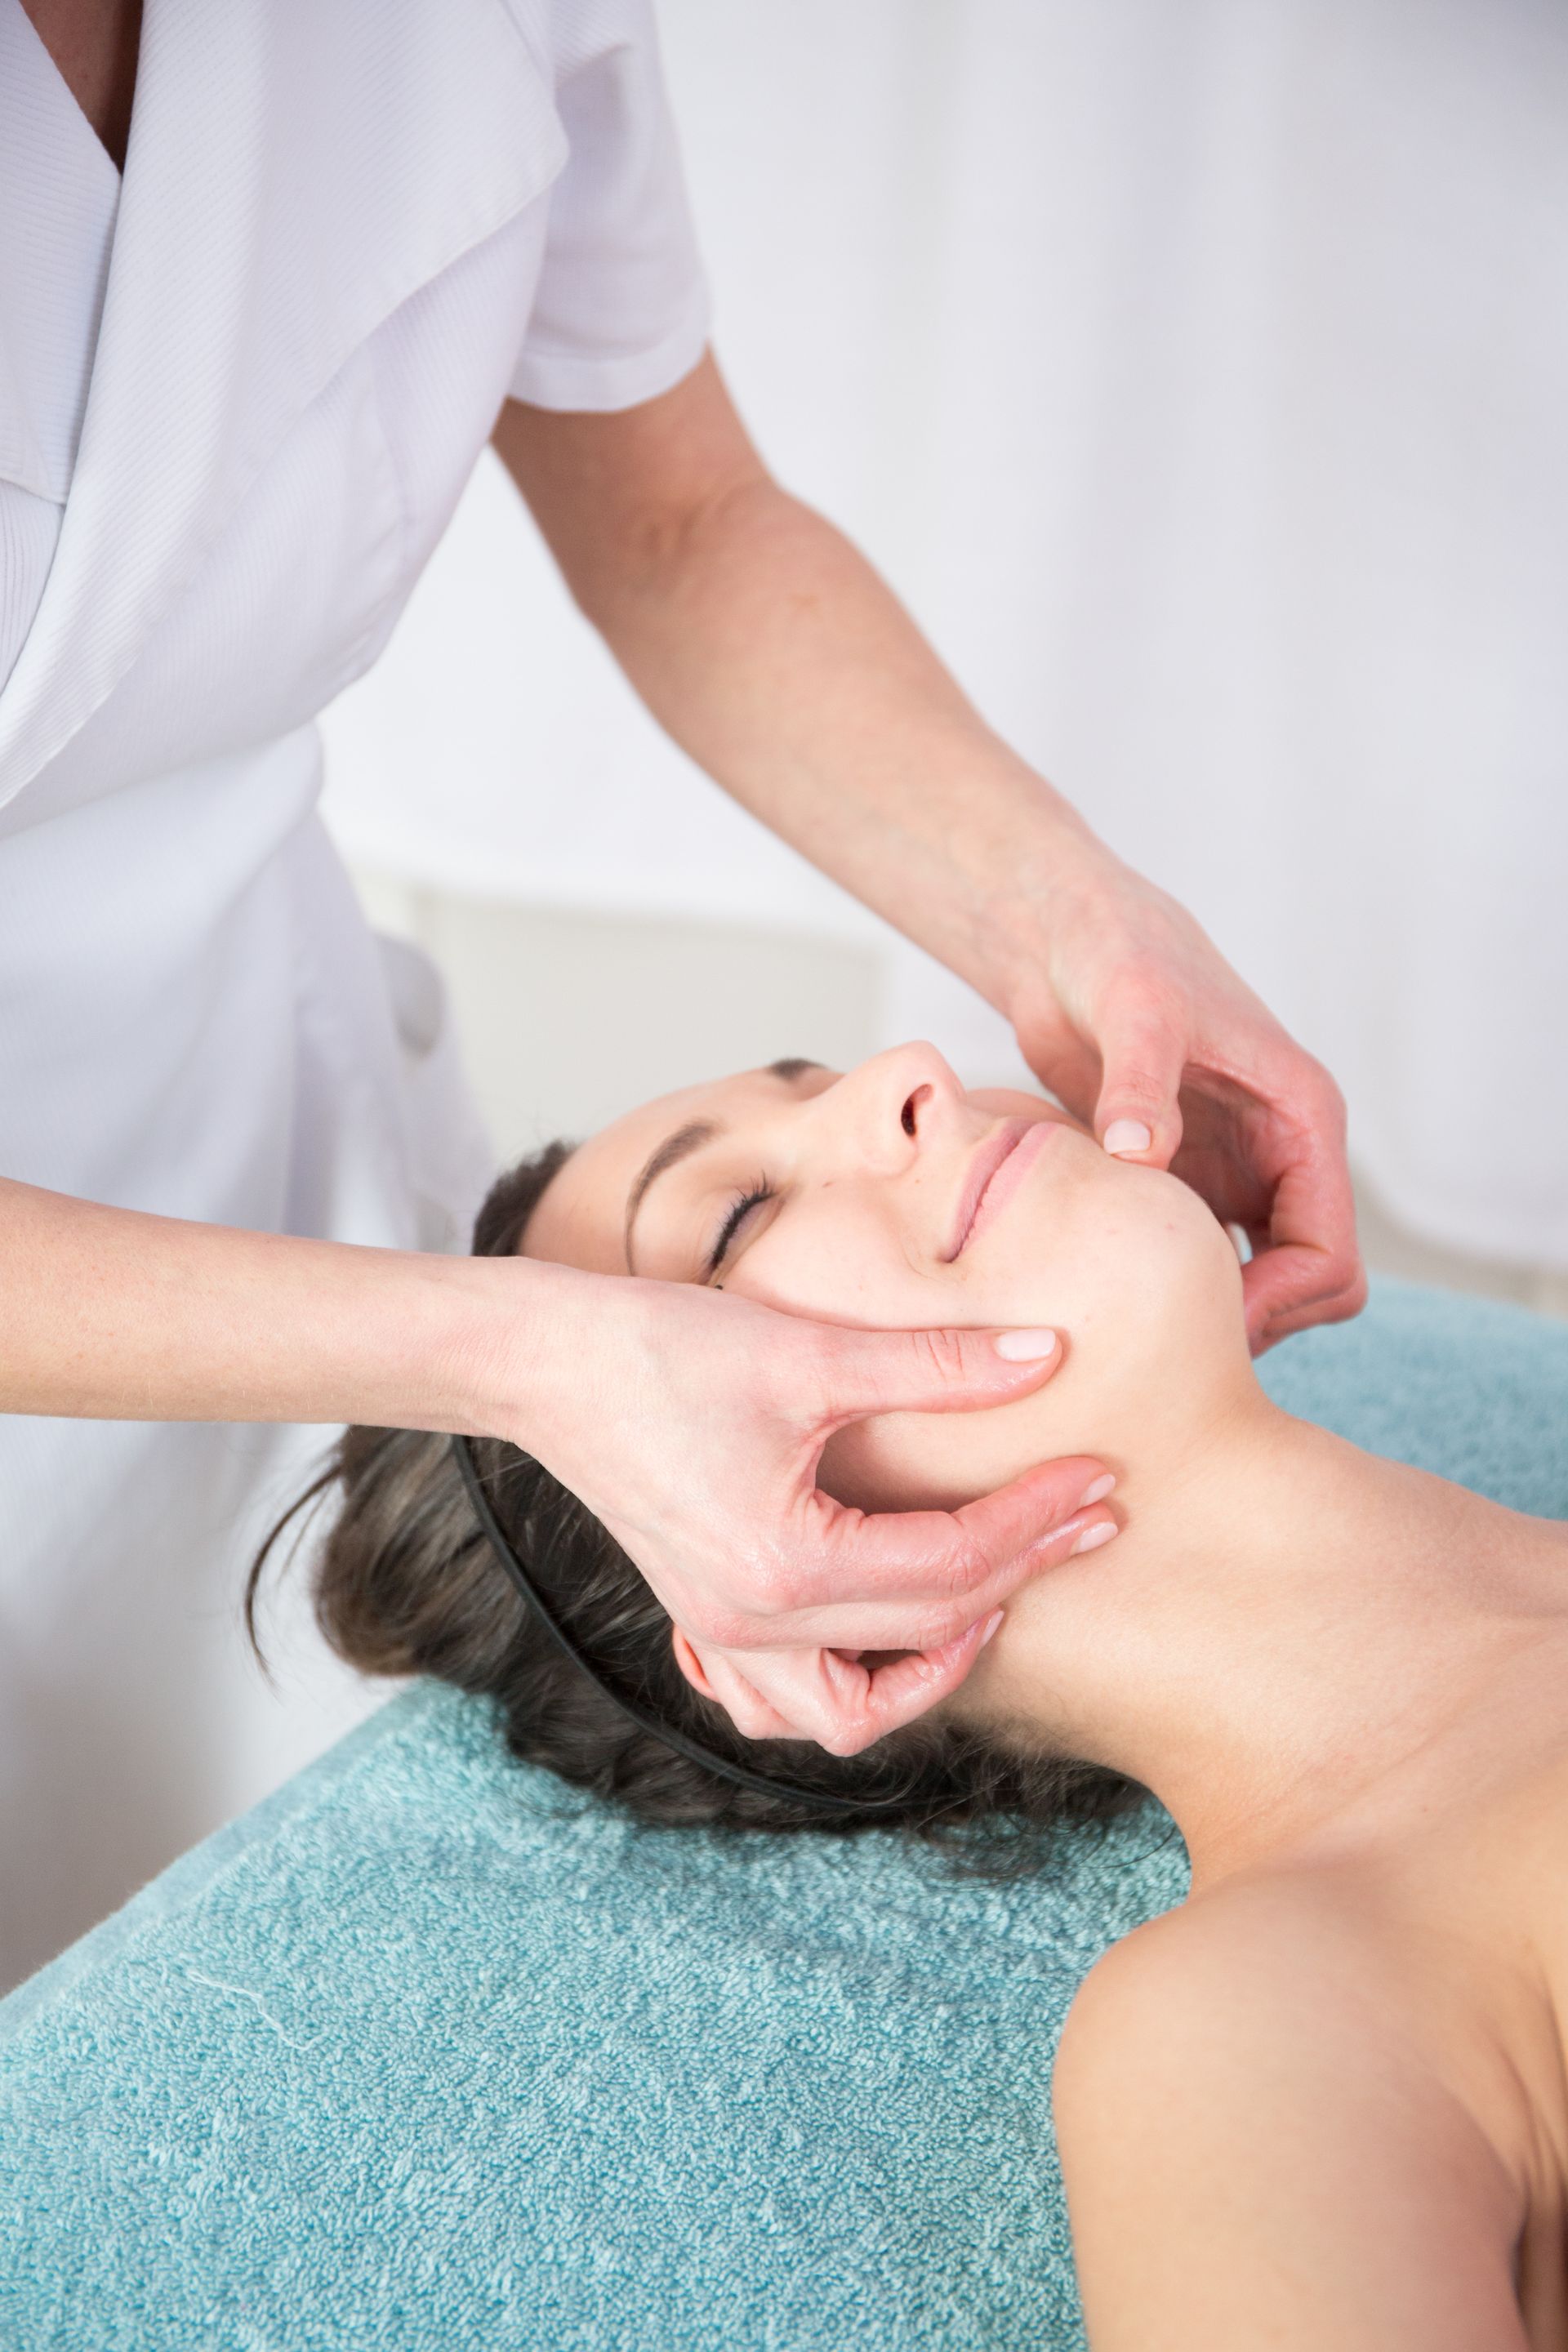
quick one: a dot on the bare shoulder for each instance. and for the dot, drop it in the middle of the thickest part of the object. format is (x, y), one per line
(1255, 2148)
(1263, 1960)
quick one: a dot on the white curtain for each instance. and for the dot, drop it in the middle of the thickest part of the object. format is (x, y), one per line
(1199, 374)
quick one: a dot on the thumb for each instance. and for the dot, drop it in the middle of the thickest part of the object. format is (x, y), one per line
(933, 1372)
(1143, 1053)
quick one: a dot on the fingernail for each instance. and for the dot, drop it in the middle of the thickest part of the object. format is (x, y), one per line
(1092, 1538)
(1102, 1487)
(1025, 1347)
(990, 1627)
(1127, 1135)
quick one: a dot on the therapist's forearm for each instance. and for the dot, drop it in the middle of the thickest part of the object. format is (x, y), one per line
(773, 652)
(782, 663)
(114, 1314)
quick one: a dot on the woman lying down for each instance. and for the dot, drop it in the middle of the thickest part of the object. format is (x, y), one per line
(1324, 2103)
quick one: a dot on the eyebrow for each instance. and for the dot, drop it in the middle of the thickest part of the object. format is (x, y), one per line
(661, 1160)
(691, 1137)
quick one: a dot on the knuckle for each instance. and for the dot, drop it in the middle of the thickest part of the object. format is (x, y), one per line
(742, 1616)
(1302, 1075)
(1137, 1090)
(775, 1585)
(1144, 995)
(939, 1355)
(770, 1587)
(752, 1718)
(936, 1632)
(847, 1738)
(720, 1628)
(1322, 1089)
(968, 1564)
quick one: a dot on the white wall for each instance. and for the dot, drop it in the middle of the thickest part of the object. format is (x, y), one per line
(567, 1019)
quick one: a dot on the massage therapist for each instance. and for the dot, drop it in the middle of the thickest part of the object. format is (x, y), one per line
(271, 273)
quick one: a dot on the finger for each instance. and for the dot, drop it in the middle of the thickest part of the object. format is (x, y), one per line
(1143, 1042)
(844, 1705)
(930, 1371)
(1310, 1269)
(908, 1687)
(744, 1699)
(1294, 1300)
(903, 1625)
(907, 1580)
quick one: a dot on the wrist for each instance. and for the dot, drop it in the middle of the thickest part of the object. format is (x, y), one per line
(1054, 877)
(517, 1342)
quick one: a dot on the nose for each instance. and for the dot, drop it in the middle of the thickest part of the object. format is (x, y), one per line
(885, 1112)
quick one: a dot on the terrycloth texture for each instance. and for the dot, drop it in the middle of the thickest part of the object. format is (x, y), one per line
(429, 2052)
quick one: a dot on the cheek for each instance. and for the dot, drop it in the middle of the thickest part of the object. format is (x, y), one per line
(837, 1260)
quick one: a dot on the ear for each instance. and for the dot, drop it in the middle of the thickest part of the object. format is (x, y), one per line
(691, 1666)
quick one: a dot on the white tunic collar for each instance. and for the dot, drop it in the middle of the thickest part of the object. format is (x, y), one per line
(60, 193)
(295, 173)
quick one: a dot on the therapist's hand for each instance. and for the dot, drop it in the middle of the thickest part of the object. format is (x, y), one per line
(691, 1425)
(1130, 1014)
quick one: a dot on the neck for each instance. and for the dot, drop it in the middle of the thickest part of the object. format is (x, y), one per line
(1284, 1629)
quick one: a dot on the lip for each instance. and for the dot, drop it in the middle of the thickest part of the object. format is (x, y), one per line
(998, 1168)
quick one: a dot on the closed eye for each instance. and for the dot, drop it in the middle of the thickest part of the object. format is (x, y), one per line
(735, 1216)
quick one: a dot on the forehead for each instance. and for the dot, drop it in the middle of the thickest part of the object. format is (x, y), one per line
(580, 1219)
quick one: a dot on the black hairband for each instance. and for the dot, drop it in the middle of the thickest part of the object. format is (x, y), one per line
(692, 1749)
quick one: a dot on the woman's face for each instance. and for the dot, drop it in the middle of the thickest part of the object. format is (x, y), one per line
(891, 1197)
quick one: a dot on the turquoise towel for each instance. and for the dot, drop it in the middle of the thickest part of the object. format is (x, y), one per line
(430, 2051)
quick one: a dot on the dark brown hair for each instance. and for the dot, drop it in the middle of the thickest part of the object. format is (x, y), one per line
(407, 1583)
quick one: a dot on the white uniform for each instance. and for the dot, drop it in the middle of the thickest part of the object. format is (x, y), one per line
(239, 395)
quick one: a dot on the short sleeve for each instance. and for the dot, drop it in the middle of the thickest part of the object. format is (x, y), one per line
(621, 311)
